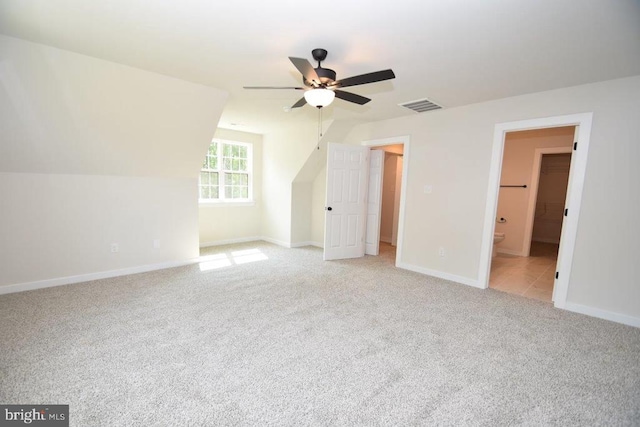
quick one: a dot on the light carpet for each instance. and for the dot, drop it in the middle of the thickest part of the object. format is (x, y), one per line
(263, 335)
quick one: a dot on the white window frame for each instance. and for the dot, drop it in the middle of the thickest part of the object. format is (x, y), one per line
(222, 201)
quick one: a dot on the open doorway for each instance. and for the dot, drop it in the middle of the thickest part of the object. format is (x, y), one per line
(531, 201)
(384, 234)
(344, 192)
(352, 219)
(580, 149)
(390, 200)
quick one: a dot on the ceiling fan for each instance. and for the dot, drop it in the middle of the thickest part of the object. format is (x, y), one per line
(322, 86)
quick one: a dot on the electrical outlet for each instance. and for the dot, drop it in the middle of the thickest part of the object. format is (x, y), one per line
(441, 252)
(156, 244)
(115, 248)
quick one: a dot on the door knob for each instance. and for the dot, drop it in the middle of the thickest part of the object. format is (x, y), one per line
(329, 208)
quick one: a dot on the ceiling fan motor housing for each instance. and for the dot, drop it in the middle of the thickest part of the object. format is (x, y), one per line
(326, 76)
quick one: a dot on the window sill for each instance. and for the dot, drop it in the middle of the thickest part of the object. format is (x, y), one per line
(225, 204)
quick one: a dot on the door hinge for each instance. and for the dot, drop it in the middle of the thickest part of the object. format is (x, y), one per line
(566, 211)
(557, 274)
(575, 146)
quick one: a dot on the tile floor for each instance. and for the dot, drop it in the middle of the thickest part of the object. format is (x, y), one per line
(530, 276)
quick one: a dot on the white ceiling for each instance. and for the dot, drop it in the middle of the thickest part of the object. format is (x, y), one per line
(454, 52)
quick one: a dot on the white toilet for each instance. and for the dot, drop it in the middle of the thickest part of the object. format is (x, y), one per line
(497, 238)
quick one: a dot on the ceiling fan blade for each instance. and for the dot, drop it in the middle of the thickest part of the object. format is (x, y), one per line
(273, 87)
(306, 69)
(301, 102)
(351, 97)
(376, 76)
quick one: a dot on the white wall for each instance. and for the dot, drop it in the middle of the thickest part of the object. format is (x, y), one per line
(55, 226)
(62, 112)
(451, 150)
(221, 223)
(517, 169)
(95, 153)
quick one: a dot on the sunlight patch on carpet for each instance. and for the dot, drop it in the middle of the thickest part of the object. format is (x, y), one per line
(214, 262)
(249, 255)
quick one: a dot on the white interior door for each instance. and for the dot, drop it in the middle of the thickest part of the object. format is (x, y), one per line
(374, 202)
(562, 251)
(346, 205)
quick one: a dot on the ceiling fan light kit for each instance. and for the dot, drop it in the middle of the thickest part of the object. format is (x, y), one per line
(321, 86)
(319, 97)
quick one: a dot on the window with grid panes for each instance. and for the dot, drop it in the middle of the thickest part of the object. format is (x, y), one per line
(226, 172)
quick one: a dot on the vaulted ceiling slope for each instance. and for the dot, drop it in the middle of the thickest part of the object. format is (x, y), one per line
(66, 113)
(451, 52)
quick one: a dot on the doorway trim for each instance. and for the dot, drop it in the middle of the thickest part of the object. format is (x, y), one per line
(533, 195)
(405, 140)
(574, 195)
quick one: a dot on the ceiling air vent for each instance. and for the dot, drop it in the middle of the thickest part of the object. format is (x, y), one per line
(421, 105)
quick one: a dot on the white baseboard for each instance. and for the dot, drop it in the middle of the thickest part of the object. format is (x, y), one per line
(68, 280)
(509, 252)
(258, 238)
(276, 242)
(309, 243)
(60, 281)
(440, 274)
(603, 314)
(229, 241)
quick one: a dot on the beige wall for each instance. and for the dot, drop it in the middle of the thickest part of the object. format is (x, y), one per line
(221, 223)
(451, 150)
(95, 153)
(284, 154)
(517, 169)
(301, 213)
(396, 201)
(388, 197)
(54, 226)
(393, 148)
